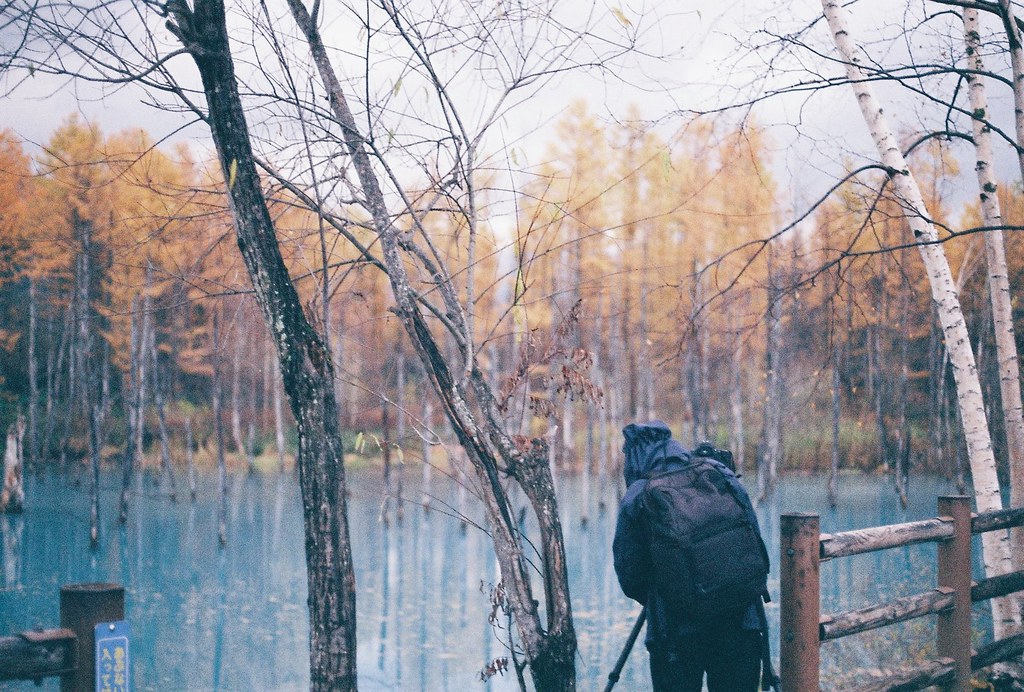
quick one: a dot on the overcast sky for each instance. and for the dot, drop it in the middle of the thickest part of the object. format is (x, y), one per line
(707, 64)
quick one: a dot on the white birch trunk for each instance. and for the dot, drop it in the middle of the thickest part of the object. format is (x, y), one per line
(1017, 67)
(996, 545)
(998, 276)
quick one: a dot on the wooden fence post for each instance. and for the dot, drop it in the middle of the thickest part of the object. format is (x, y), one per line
(800, 601)
(954, 627)
(81, 607)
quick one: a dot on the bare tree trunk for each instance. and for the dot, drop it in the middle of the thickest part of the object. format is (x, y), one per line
(306, 367)
(426, 496)
(771, 433)
(385, 455)
(549, 645)
(736, 390)
(12, 497)
(33, 378)
(95, 449)
(278, 417)
(400, 435)
(833, 478)
(189, 459)
(903, 448)
(145, 338)
(880, 389)
(250, 447)
(54, 368)
(218, 430)
(996, 545)
(236, 369)
(995, 253)
(131, 399)
(166, 472)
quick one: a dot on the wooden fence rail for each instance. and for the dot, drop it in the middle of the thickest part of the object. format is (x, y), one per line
(803, 627)
(67, 651)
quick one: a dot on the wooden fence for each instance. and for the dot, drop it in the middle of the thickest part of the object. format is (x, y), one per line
(67, 651)
(802, 626)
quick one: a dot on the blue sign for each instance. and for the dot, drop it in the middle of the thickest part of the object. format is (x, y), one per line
(112, 660)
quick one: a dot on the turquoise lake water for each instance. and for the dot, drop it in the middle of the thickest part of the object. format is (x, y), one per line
(234, 618)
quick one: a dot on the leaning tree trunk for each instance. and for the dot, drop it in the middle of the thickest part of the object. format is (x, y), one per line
(549, 645)
(995, 255)
(306, 368)
(996, 546)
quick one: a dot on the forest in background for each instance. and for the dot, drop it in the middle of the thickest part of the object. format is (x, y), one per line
(637, 281)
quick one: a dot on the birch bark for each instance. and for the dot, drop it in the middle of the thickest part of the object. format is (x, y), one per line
(995, 256)
(996, 545)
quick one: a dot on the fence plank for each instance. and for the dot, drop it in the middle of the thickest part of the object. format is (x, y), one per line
(919, 677)
(995, 587)
(999, 519)
(881, 537)
(34, 655)
(882, 614)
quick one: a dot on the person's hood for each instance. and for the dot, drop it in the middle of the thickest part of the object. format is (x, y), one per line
(649, 448)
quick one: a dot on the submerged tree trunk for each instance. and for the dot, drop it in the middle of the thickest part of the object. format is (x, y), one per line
(399, 470)
(190, 460)
(738, 436)
(306, 367)
(12, 497)
(166, 472)
(95, 450)
(132, 410)
(33, 378)
(385, 456)
(426, 492)
(218, 431)
(771, 433)
(996, 547)
(236, 377)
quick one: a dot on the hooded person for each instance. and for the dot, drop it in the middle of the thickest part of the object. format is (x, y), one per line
(726, 647)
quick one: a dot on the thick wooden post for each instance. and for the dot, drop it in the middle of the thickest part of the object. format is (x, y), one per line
(954, 627)
(800, 601)
(81, 607)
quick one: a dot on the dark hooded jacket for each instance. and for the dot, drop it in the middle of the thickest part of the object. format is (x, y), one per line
(649, 448)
